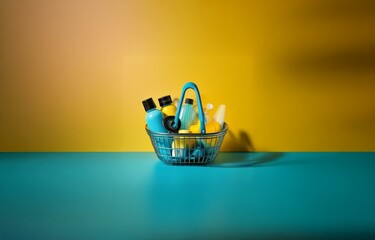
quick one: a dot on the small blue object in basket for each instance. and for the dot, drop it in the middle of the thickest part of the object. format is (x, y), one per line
(204, 146)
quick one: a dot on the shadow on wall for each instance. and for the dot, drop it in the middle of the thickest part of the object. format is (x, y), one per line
(349, 46)
(240, 143)
(354, 59)
(245, 155)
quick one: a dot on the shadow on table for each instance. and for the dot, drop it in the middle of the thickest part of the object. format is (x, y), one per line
(246, 159)
(242, 152)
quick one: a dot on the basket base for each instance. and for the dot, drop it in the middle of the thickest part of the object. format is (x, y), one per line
(185, 162)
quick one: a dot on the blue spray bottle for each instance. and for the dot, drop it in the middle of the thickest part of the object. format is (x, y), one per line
(154, 117)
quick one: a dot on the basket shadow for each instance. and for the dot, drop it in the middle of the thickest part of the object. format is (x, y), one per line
(245, 159)
(241, 152)
(237, 143)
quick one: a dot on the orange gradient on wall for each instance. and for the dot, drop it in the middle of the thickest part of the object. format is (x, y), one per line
(295, 75)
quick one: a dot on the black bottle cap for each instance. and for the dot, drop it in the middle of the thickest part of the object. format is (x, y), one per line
(149, 104)
(189, 101)
(166, 100)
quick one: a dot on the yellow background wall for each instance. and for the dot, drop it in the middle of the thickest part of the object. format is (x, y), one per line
(295, 75)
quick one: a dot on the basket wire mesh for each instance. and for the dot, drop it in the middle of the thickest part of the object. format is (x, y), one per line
(187, 148)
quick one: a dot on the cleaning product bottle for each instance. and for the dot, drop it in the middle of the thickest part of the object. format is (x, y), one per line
(220, 115)
(154, 117)
(188, 114)
(182, 146)
(211, 127)
(167, 108)
(207, 110)
(188, 141)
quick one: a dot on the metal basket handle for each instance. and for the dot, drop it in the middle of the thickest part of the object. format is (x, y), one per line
(200, 108)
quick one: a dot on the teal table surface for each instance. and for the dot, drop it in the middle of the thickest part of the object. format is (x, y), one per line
(135, 196)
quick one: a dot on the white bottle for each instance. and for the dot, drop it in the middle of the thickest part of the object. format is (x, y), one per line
(207, 110)
(220, 115)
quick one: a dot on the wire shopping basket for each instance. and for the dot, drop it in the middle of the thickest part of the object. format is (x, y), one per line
(186, 148)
